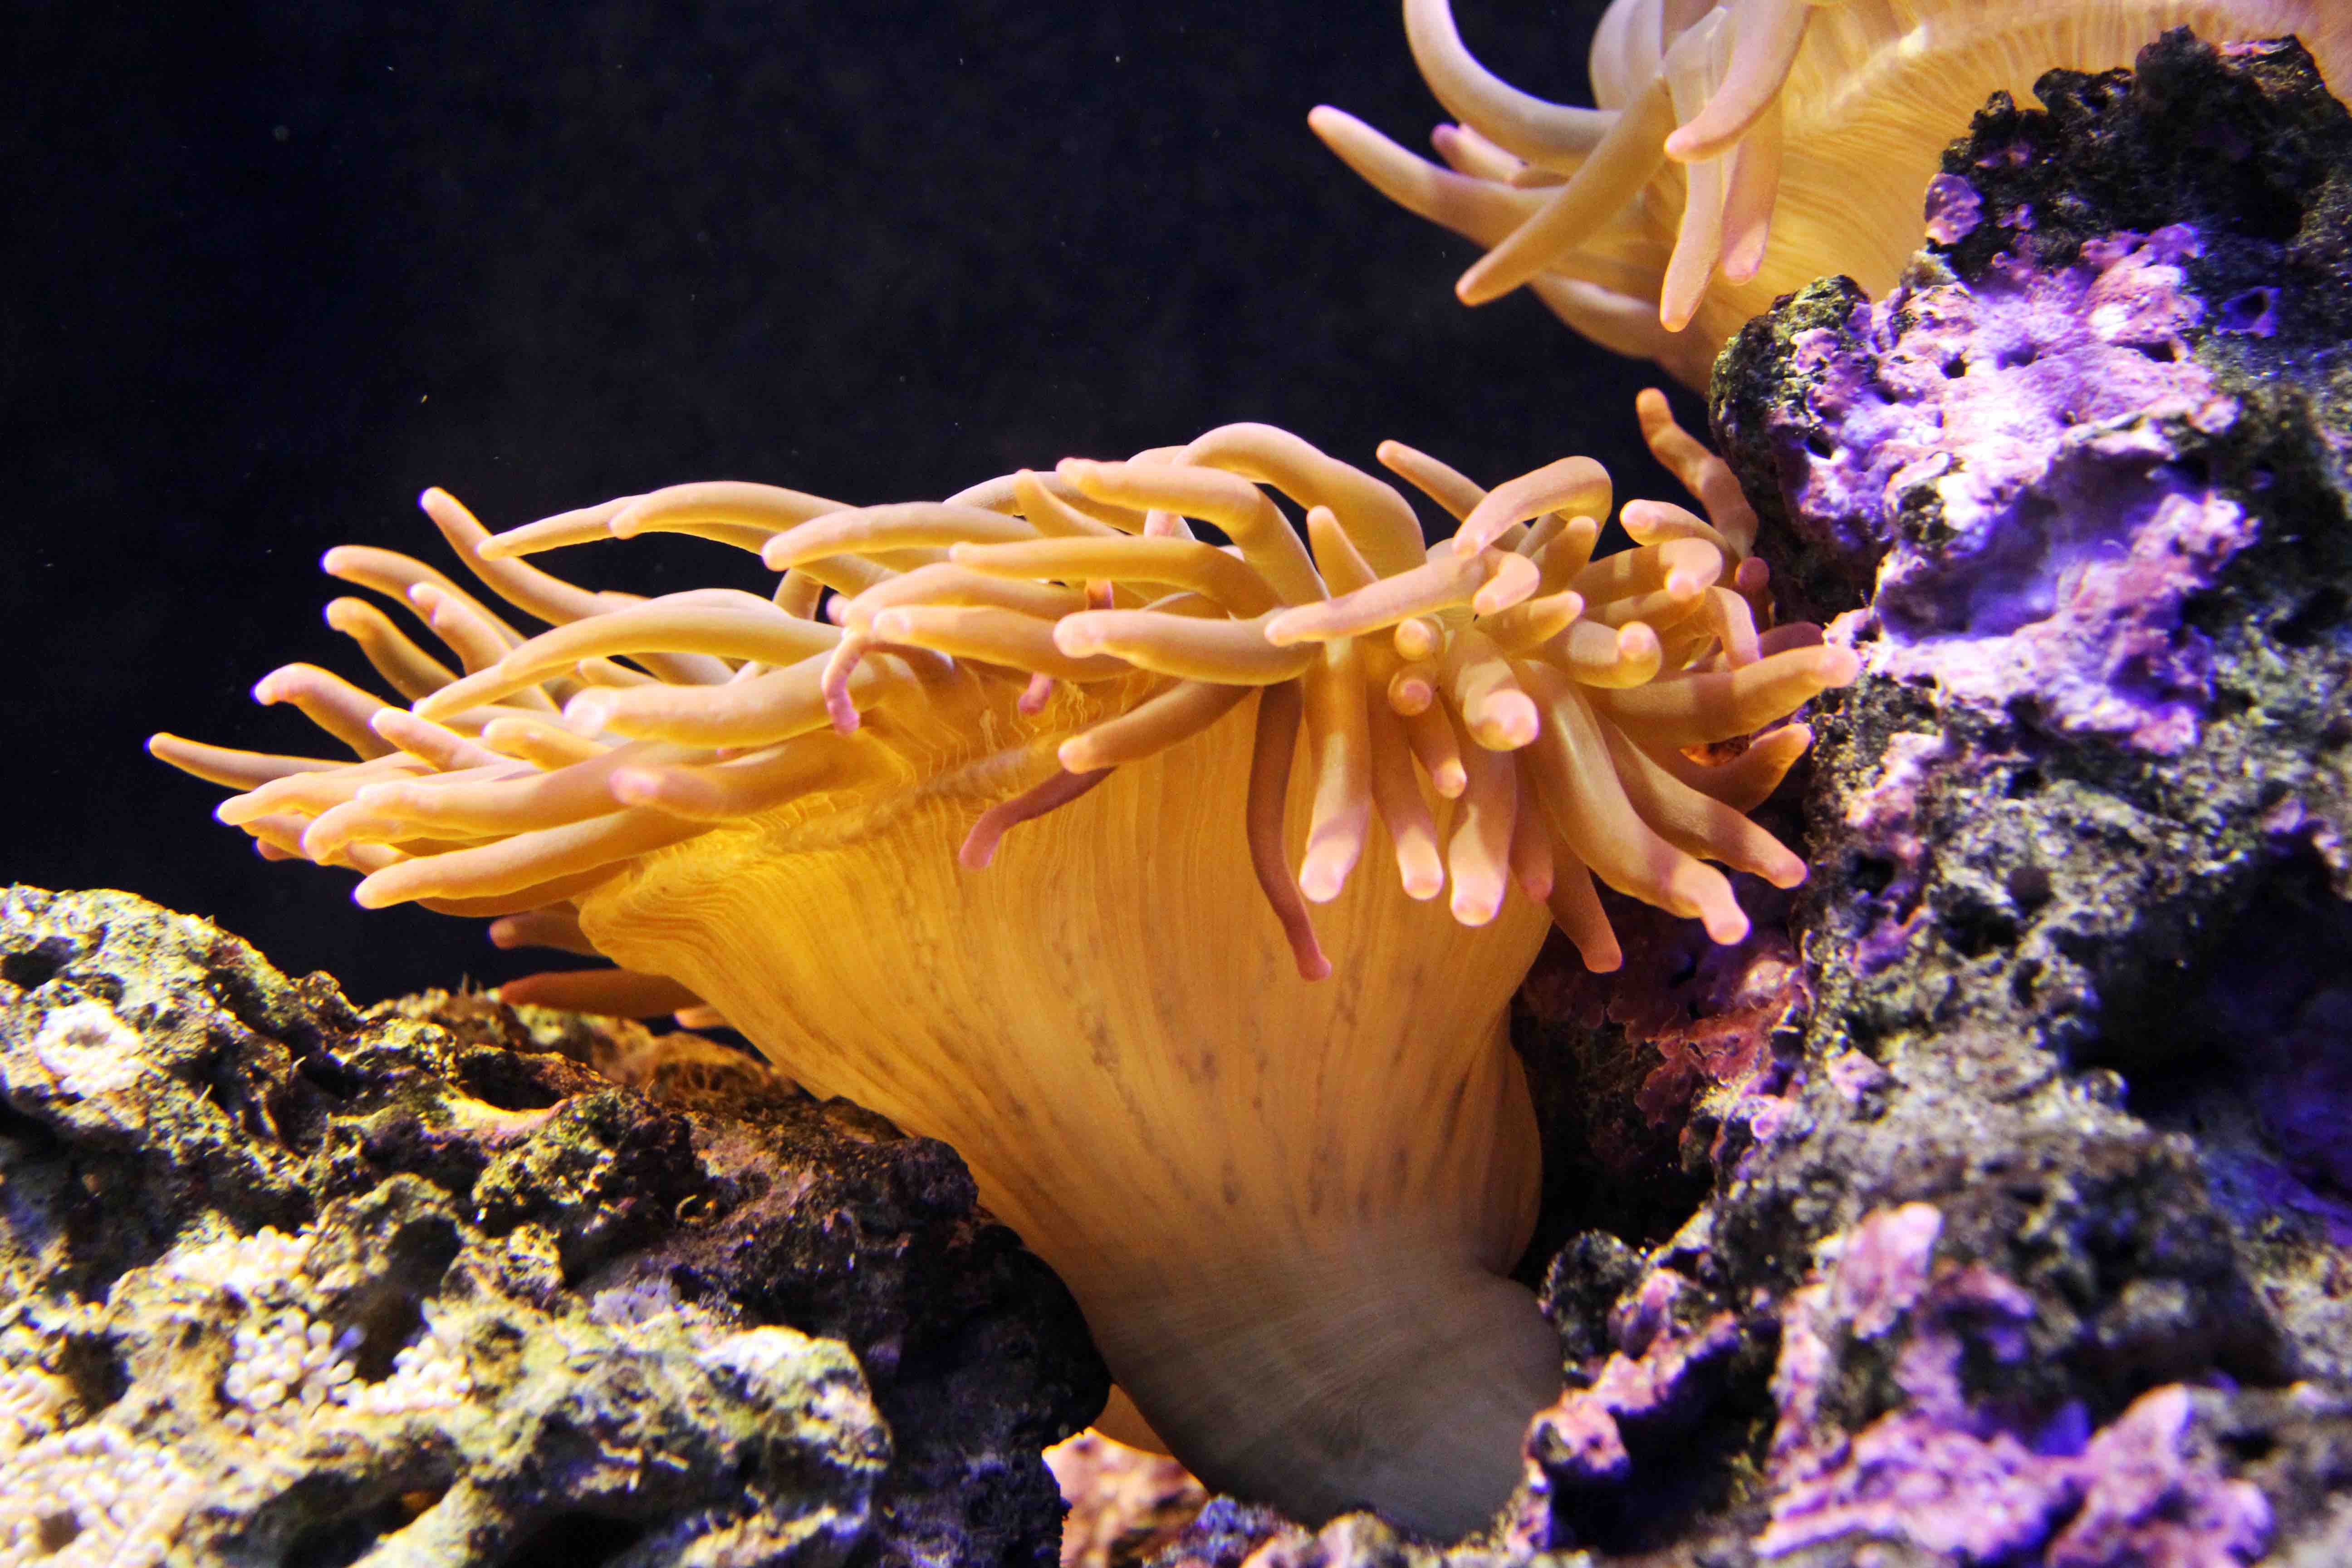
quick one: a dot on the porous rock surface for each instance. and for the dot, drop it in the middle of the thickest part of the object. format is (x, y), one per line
(282, 1282)
(2014, 1165)
(1124, 1504)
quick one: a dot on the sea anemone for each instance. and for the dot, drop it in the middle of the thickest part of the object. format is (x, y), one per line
(1740, 151)
(1284, 1158)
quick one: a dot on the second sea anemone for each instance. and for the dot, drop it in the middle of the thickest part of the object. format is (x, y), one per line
(1738, 151)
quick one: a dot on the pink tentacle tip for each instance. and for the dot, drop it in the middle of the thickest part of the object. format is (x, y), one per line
(834, 684)
(840, 709)
(1309, 950)
(980, 845)
(1510, 723)
(1293, 626)
(1077, 636)
(1511, 580)
(1035, 695)
(1676, 307)
(505, 933)
(1726, 921)
(636, 786)
(1476, 905)
(1423, 878)
(588, 713)
(1324, 872)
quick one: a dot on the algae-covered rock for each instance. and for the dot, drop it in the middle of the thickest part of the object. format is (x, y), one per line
(284, 1282)
(2034, 1250)
(1125, 1505)
(2099, 270)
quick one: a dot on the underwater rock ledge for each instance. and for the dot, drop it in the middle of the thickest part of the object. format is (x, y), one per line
(442, 1283)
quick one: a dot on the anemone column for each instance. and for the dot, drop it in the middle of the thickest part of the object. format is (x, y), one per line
(1285, 1205)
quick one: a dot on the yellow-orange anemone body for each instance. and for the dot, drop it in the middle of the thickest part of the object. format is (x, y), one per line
(1045, 840)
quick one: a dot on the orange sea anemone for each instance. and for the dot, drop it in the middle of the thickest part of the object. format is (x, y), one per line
(1740, 151)
(1255, 1103)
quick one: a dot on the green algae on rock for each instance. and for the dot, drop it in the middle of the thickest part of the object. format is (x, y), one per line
(284, 1282)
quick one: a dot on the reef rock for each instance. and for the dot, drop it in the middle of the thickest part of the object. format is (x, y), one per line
(1124, 1504)
(2016, 1165)
(440, 1283)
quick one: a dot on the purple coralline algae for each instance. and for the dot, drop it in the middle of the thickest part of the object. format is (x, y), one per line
(2032, 418)
(2146, 1490)
(1954, 1476)
(1648, 1392)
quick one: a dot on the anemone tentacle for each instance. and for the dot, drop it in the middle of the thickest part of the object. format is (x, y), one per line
(1009, 602)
